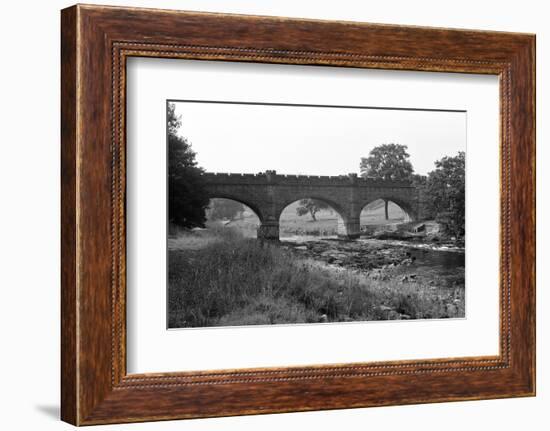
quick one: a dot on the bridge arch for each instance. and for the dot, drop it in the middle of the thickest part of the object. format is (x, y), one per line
(341, 214)
(339, 208)
(268, 193)
(407, 207)
(255, 208)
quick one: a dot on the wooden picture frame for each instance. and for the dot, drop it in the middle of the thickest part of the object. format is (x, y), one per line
(95, 43)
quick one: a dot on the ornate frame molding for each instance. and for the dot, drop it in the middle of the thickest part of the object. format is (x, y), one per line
(96, 41)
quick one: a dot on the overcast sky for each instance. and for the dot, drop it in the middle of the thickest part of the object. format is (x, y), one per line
(313, 140)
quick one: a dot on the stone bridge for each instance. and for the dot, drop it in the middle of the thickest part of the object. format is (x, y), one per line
(269, 193)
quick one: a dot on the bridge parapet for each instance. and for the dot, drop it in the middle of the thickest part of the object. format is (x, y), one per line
(271, 177)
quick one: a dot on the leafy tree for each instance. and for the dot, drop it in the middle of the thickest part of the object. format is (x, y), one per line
(221, 209)
(173, 121)
(388, 162)
(187, 199)
(445, 190)
(418, 180)
(311, 206)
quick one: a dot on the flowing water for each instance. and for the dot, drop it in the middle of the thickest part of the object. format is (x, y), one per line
(437, 258)
(425, 254)
(369, 253)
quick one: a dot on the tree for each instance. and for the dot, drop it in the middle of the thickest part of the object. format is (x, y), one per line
(445, 190)
(311, 206)
(418, 180)
(220, 209)
(187, 200)
(388, 162)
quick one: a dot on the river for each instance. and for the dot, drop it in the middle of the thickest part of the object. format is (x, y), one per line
(424, 261)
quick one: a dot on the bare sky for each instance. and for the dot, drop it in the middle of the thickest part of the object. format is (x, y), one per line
(313, 140)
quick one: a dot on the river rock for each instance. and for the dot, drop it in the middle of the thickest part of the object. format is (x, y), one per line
(394, 315)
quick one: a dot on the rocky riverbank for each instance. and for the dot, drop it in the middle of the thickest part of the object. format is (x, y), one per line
(218, 277)
(432, 270)
(367, 254)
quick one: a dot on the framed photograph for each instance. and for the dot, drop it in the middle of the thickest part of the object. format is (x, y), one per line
(265, 214)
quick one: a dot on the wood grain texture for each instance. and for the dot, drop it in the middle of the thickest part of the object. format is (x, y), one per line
(69, 397)
(96, 41)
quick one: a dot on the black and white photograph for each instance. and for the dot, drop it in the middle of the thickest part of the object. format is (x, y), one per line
(307, 214)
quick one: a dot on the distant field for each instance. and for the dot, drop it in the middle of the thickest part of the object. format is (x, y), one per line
(325, 225)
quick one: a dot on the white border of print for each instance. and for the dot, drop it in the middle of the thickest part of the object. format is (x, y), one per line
(153, 348)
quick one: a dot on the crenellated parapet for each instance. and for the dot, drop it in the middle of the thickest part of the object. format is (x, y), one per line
(271, 177)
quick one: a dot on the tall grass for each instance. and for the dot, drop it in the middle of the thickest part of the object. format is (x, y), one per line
(238, 281)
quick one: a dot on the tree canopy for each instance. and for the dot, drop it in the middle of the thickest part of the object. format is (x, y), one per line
(387, 162)
(187, 200)
(443, 188)
(311, 206)
(445, 191)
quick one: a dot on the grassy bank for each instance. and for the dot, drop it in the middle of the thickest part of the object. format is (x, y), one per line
(225, 280)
